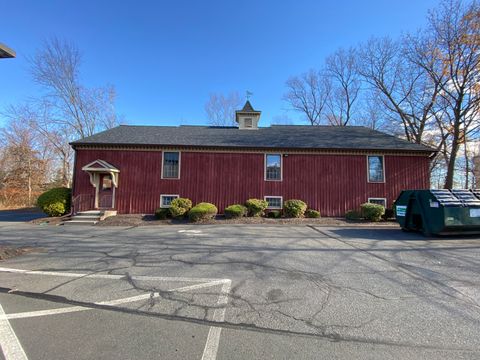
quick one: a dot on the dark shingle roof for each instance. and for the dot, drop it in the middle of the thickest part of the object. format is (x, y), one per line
(280, 136)
(247, 108)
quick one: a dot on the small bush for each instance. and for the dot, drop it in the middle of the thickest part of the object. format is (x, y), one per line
(202, 211)
(55, 209)
(310, 213)
(235, 211)
(294, 208)
(256, 207)
(179, 207)
(353, 215)
(55, 202)
(372, 212)
(162, 213)
(274, 214)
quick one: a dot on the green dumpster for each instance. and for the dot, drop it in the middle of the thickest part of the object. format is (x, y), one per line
(439, 212)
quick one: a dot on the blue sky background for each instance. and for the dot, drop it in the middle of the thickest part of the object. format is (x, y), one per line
(165, 57)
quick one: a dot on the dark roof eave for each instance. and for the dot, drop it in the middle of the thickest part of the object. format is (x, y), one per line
(431, 152)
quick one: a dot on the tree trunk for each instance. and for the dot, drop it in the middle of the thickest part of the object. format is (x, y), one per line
(467, 164)
(451, 165)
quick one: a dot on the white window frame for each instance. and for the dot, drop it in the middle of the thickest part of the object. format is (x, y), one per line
(179, 164)
(165, 195)
(376, 198)
(275, 197)
(383, 167)
(249, 121)
(265, 166)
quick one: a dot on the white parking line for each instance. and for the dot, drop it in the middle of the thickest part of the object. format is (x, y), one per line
(105, 276)
(11, 347)
(213, 338)
(112, 303)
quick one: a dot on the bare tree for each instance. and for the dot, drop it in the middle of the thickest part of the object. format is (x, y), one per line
(220, 109)
(449, 53)
(82, 110)
(406, 91)
(308, 94)
(24, 163)
(345, 84)
(37, 118)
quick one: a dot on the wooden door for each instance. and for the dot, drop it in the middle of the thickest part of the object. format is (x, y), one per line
(105, 192)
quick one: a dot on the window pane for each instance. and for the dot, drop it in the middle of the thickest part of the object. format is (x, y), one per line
(167, 200)
(274, 202)
(375, 169)
(170, 164)
(273, 164)
(378, 202)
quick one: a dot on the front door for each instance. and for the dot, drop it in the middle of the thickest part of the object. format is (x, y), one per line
(105, 192)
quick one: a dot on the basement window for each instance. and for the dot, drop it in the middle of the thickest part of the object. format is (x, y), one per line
(378, 201)
(166, 200)
(171, 165)
(273, 167)
(274, 202)
(376, 171)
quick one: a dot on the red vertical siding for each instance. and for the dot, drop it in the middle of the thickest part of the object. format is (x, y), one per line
(332, 184)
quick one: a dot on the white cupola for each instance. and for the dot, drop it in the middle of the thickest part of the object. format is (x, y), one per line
(247, 118)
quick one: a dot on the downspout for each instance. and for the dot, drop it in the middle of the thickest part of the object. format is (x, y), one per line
(73, 181)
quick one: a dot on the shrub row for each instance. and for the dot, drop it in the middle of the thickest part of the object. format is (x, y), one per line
(182, 207)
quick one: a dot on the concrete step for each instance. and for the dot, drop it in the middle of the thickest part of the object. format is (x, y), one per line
(90, 217)
(90, 213)
(85, 217)
(80, 222)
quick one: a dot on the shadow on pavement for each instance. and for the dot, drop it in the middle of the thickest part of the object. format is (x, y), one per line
(21, 215)
(393, 235)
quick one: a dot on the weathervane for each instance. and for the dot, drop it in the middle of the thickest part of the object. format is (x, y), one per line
(249, 93)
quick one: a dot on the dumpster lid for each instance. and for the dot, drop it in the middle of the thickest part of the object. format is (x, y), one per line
(467, 197)
(457, 197)
(446, 198)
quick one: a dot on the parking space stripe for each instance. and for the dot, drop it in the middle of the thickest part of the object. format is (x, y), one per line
(71, 309)
(106, 276)
(11, 347)
(213, 338)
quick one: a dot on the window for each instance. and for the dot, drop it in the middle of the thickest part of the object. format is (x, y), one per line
(248, 122)
(378, 201)
(375, 169)
(171, 165)
(274, 202)
(273, 167)
(166, 200)
(106, 182)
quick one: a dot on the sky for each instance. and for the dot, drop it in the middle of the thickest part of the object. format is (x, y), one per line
(164, 58)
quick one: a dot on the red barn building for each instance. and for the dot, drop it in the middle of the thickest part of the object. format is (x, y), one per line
(136, 169)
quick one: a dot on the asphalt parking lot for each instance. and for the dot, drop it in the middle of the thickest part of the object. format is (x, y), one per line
(238, 292)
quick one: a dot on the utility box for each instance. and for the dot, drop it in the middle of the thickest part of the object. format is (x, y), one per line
(439, 212)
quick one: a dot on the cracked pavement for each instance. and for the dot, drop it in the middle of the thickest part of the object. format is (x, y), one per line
(297, 291)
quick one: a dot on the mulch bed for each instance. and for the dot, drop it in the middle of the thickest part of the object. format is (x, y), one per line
(48, 221)
(147, 220)
(7, 252)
